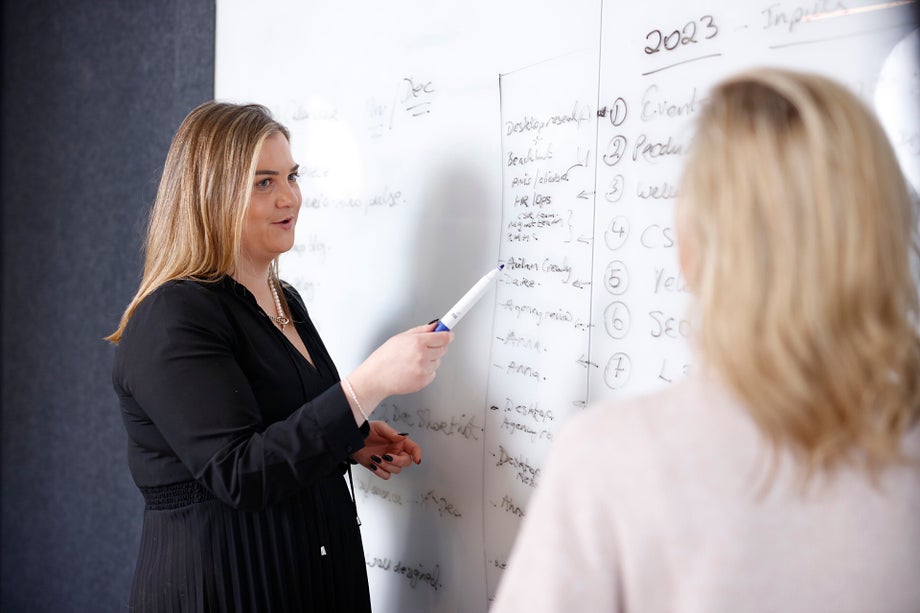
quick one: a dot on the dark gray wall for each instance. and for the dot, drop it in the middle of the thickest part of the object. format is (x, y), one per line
(92, 91)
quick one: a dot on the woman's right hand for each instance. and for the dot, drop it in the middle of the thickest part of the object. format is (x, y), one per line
(405, 363)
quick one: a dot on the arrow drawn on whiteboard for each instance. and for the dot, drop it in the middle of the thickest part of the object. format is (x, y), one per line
(584, 195)
(585, 239)
(580, 284)
(584, 362)
(583, 164)
(579, 403)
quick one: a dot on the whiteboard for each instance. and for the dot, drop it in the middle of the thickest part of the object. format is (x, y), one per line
(547, 136)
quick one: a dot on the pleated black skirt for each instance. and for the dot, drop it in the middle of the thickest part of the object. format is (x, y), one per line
(198, 554)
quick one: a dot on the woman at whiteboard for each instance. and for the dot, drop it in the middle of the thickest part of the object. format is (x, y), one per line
(783, 474)
(239, 427)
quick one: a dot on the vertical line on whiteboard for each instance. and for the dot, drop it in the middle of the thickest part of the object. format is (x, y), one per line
(485, 404)
(597, 138)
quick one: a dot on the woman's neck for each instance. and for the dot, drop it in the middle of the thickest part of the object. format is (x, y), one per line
(253, 276)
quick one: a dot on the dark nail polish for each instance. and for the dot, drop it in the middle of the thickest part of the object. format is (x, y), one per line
(403, 434)
(373, 467)
(387, 457)
(376, 458)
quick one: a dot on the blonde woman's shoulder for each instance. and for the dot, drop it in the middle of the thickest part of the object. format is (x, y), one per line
(687, 418)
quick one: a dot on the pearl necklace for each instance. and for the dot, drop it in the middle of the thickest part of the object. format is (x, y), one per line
(282, 319)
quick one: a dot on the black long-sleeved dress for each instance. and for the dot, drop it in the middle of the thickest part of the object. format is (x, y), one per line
(239, 447)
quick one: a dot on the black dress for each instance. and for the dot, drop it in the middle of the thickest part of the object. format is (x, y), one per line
(239, 447)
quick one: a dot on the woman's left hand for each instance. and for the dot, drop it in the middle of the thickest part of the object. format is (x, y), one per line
(386, 452)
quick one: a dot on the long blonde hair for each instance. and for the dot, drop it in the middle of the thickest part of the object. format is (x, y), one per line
(196, 221)
(801, 238)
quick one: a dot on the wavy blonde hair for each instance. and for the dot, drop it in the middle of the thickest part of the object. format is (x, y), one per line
(195, 225)
(800, 235)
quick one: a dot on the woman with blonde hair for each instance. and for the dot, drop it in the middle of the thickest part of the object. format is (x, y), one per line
(783, 474)
(239, 427)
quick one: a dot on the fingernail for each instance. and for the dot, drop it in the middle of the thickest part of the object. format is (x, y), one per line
(403, 434)
(376, 458)
(373, 467)
(387, 457)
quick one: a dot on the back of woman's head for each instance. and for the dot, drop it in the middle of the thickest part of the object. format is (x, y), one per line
(797, 231)
(196, 220)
